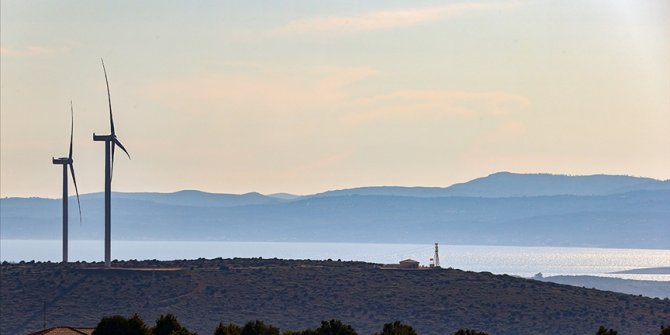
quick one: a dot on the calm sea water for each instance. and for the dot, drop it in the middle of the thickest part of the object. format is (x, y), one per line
(519, 261)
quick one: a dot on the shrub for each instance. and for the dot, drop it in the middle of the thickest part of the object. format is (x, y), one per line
(397, 328)
(168, 325)
(258, 327)
(229, 329)
(335, 327)
(119, 325)
(604, 331)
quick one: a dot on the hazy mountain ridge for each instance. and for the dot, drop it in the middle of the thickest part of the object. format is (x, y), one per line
(496, 185)
(657, 270)
(507, 184)
(193, 198)
(636, 219)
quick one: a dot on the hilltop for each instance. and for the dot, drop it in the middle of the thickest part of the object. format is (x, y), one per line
(298, 294)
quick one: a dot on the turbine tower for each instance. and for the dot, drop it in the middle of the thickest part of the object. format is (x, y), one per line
(110, 144)
(65, 162)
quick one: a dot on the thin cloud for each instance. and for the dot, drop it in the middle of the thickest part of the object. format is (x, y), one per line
(275, 92)
(385, 19)
(32, 52)
(289, 98)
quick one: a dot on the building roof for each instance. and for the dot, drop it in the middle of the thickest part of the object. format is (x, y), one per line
(64, 331)
(408, 261)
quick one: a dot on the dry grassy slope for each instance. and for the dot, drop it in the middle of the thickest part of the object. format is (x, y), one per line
(298, 294)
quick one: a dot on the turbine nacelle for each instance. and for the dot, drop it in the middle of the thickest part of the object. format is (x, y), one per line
(103, 137)
(62, 160)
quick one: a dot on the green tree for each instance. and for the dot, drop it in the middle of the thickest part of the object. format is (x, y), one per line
(168, 325)
(258, 327)
(229, 329)
(469, 332)
(604, 331)
(335, 327)
(119, 325)
(397, 328)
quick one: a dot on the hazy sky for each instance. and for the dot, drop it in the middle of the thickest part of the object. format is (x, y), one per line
(305, 96)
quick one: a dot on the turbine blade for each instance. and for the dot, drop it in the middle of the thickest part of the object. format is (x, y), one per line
(111, 168)
(109, 98)
(74, 179)
(71, 128)
(121, 146)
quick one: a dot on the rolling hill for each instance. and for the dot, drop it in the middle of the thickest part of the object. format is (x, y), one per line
(296, 295)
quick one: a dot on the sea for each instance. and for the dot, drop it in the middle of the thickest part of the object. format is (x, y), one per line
(511, 260)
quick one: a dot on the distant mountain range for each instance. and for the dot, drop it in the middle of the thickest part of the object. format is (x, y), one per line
(501, 209)
(507, 184)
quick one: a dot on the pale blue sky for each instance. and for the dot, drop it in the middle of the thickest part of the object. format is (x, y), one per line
(306, 96)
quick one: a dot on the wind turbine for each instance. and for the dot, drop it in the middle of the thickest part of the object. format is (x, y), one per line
(110, 144)
(65, 162)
